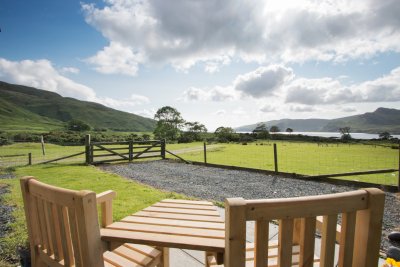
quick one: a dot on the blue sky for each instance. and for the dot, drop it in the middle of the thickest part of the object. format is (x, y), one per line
(220, 63)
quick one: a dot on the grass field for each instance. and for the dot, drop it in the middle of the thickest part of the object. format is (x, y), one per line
(302, 158)
(131, 196)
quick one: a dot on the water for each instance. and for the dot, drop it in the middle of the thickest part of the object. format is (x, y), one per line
(338, 135)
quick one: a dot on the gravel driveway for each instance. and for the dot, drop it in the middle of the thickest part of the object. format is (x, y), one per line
(217, 184)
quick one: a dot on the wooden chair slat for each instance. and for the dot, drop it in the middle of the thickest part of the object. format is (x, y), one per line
(191, 202)
(261, 243)
(59, 241)
(133, 255)
(307, 241)
(285, 242)
(73, 229)
(118, 260)
(328, 237)
(347, 239)
(51, 229)
(43, 226)
(150, 251)
(65, 234)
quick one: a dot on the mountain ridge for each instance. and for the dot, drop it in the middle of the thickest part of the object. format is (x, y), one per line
(380, 120)
(36, 108)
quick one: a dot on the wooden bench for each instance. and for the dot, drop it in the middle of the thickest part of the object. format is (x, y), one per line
(359, 238)
(63, 229)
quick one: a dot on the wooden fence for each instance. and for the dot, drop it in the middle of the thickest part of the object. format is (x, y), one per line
(104, 152)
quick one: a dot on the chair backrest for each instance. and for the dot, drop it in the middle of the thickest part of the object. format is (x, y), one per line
(361, 225)
(62, 225)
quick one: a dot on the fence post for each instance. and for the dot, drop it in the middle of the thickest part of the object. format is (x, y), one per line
(29, 158)
(42, 141)
(205, 152)
(87, 149)
(275, 158)
(130, 150)
(163, 149)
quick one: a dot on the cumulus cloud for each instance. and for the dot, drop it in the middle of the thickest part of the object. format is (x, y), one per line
(217, 94)
(267, 108)
(263, 81)
(331, 91)
(302, 108)
(72, 70)
(220, 112)
(116, 58)
(41, 74)
(184, 33)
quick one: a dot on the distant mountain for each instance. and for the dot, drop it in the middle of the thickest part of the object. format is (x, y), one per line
(382, 119)
(28, 108)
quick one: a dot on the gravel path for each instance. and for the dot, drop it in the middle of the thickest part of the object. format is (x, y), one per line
(218, 184)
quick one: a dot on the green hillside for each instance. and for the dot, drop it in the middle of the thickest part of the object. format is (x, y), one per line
(382, 119)
(27, 108)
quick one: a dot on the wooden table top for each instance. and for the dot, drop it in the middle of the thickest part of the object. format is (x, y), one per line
(172, 223)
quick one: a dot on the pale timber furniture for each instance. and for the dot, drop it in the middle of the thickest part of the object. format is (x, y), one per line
(173, 223)
(359, 240)
(64, 230)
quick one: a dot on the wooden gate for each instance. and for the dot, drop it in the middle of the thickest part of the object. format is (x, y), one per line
(103, 152)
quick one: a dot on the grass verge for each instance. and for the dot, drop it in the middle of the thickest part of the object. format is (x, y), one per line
(131, 196)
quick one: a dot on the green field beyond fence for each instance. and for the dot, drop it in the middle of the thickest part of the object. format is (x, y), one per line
(293, 157)
(301, 158)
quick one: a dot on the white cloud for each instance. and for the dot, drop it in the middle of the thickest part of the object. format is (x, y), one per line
(268, 108)
(220, 112)
(72, 70)
(116, 58)
(264, 81)
(217, 94)
(302, 108)
(183, 33)
(348, 109)
(42, 75)
(148, 113)
(331, 91)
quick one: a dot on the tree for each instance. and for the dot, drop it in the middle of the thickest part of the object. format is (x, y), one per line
(274, 129)
(289, 130)
(194, 130)
(385, 136)
(345, 132)
(78, 126)
(261, 131)
(225, 134)
(169, 122)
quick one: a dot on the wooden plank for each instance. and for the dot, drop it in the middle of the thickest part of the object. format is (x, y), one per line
(133, 255)
(270, 209)
(307, 241)
(183, 211)
(328, 237)
(148, 250)
(285, 242)
(66, 157)
(163, 240)
(191, 202)
(43, 225)
(187, 162)
(184, 206)
(113, 152)
(51, 193)
(148, 157)
(118, 260)
(110, 143)
(172, 230)
(108, 160)
(108, 155)
(50, 229)
(180, 223)
(105, 196)
(140, 153)
(338, 227)
(146, 152)
(347, 239)
(353, 173)
(56, 223)
(112, 148)
(65, 235)
(261, 243)
(186, 217)
(74, 237)
(235, 236)
(369, 230)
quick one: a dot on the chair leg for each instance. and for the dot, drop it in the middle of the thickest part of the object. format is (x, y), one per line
(164, 257)
(207, 254)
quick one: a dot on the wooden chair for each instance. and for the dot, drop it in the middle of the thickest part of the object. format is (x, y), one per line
(359, 241)
(63, 229)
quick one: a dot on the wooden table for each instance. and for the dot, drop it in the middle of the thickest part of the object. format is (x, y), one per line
(172, 223)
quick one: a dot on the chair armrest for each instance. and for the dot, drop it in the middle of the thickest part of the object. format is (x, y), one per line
(320, 220)
(105, 200)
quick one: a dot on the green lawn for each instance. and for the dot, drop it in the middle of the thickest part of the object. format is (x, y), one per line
(302, 158)
(131, 196)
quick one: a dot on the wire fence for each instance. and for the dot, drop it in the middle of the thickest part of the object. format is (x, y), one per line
(310, 159)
